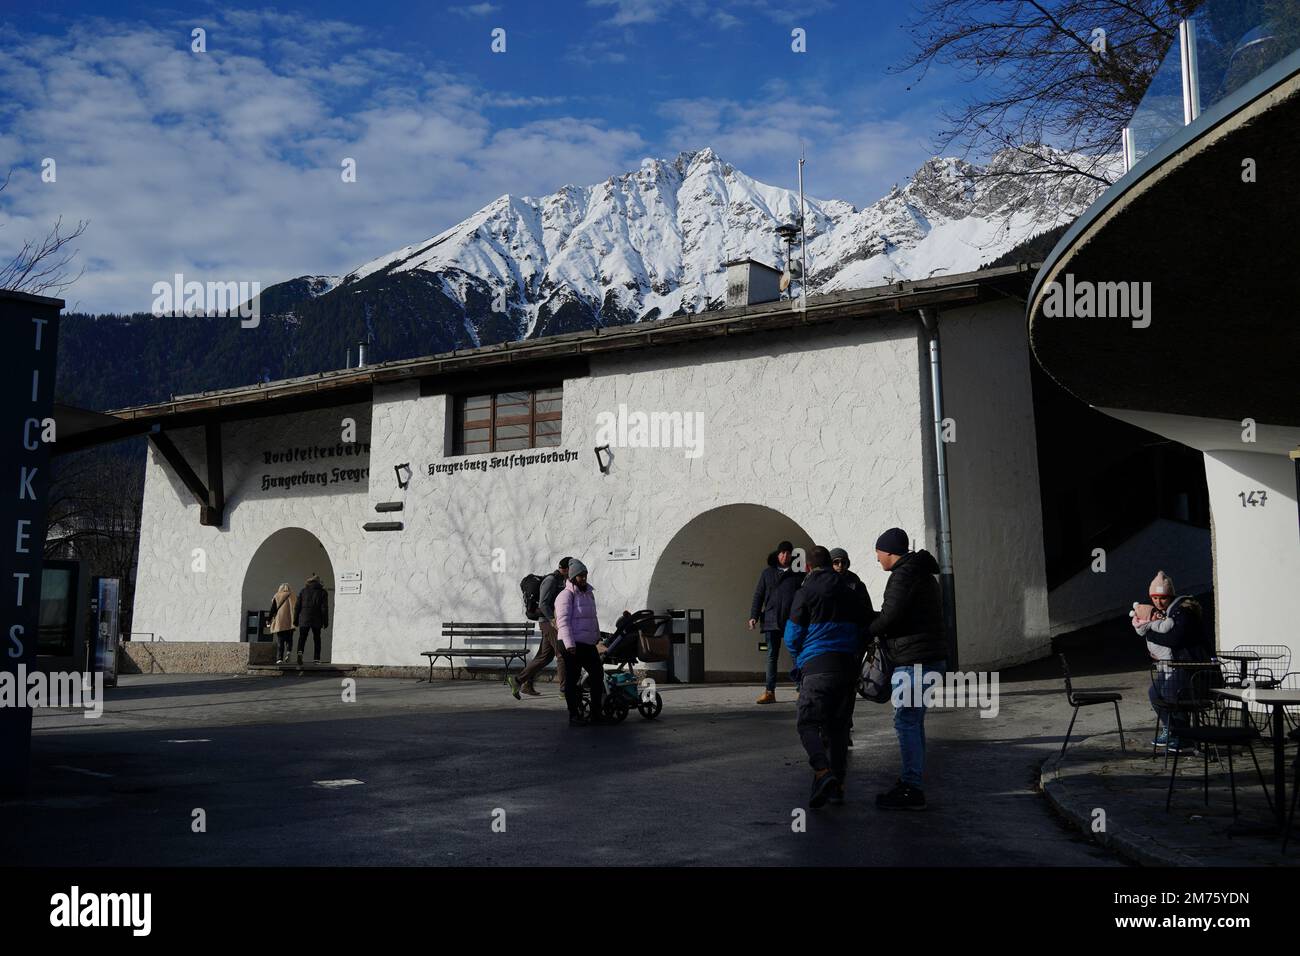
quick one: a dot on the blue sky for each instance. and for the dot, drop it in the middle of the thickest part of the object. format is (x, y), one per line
(226, 164)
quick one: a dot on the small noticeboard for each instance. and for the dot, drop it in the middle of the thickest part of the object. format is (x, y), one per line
(624, 554)
(349, 575)
(352, 587)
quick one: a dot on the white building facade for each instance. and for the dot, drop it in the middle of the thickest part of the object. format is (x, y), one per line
(816, 427)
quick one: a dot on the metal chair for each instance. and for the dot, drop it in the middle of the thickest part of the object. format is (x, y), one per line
(1087, 699)
(1222, 735)
(1168, 707)
(1261, 672)
(1291, 713)
(1295, 790)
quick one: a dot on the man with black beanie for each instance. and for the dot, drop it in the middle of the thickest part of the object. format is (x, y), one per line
(824, 638)
(910, 624)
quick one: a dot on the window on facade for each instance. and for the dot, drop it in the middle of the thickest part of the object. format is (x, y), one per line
(503, 421)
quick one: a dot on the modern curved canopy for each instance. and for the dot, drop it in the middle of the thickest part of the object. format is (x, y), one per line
(1222, 259)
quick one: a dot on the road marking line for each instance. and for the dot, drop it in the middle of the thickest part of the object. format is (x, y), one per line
(88, 773)
(334, 784)
(194, 740)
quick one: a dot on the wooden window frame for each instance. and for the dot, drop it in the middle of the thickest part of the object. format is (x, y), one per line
(531, 419)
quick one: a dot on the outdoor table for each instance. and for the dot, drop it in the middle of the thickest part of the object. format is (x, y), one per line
(1247, 657)
(1276, 699)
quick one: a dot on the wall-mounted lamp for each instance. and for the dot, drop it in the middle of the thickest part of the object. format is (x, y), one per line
(606, 461)
(403, 482)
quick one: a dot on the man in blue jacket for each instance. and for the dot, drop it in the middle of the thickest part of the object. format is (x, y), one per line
(824, 635)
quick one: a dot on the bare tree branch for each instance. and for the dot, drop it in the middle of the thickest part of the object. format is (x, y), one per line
(41, 267)
(1052, 88)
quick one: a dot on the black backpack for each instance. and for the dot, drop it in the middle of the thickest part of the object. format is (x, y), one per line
(531, 586)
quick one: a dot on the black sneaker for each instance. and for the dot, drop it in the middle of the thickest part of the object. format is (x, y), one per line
(902, 797)
(821, 789)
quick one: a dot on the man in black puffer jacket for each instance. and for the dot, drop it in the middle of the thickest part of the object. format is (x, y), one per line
(910, 625)
(311, 614)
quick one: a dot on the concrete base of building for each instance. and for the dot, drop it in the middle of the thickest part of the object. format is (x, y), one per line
(192, 657)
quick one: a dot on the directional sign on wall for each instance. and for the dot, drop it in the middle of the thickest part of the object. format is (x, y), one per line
(624, 554)
(349, 575)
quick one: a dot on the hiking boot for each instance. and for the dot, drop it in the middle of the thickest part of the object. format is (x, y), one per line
(513, 685)
(902, 797)
(822, 786)
(530, 690)
(769, 697)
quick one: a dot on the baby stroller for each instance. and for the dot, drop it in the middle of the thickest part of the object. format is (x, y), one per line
(643, 636)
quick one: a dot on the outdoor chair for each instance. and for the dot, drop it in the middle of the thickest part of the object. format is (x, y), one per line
(1233, 729)
(1167, 708)
(1290, 713)
(1295, 790)
(1262, 671)
(1087, 699)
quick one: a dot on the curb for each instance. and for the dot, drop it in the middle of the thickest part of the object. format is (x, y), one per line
(1128, 845)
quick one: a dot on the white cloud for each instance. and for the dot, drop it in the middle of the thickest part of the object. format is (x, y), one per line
(224, 167)
(474, 10)
(852, 155)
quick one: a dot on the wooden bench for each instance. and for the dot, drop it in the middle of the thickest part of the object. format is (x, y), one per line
(506, 640)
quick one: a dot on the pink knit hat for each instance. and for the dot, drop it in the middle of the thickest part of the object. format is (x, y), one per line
(1161, 585)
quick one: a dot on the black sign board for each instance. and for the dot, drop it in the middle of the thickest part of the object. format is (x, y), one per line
(27, 366)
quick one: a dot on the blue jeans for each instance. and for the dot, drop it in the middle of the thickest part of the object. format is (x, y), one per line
(909, 722)
(1165, 687)
(773, 655)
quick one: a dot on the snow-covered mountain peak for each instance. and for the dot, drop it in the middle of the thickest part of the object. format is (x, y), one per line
(650, 242)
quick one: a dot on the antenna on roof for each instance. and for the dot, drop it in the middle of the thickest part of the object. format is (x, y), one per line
(803, 240)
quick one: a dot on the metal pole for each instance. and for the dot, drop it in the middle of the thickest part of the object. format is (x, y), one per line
(803, 246)
(1191, 74)
(1130, 154)
(1295, 459)
(930, 322)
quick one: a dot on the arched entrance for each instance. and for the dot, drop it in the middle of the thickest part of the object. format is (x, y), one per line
(289, 555)
(713, 563)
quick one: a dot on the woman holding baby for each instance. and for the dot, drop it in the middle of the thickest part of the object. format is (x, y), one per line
(1174, 631)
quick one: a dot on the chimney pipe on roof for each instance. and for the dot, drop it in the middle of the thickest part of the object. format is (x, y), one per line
(361, 355)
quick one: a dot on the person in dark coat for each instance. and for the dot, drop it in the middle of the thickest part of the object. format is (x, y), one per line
(311, 614)
(1174, 630)
(550, 648)
(840, 564)
(773, 596)
(824, 635)
(910, 625)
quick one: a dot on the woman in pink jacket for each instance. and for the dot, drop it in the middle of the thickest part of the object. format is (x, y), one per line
(579, 632)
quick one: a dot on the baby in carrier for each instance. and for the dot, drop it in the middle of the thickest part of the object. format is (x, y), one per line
(1148, 618)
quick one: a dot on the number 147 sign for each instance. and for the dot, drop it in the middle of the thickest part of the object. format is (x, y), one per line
(1253, 499)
